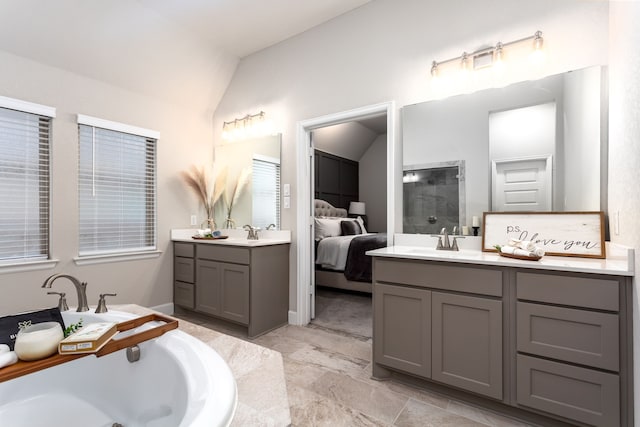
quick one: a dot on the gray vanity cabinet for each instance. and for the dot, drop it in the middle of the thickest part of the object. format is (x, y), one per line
(403, 328)
(467, 343)
(248, 286)
(451, 337)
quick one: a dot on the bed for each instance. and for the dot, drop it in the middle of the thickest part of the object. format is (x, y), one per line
(341, 243)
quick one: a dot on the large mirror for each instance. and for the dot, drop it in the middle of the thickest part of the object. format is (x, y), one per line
(257, 198)
(532, 146)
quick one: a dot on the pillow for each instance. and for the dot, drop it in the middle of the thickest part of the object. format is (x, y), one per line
(361, 222)
(326, 227)
(350, 228)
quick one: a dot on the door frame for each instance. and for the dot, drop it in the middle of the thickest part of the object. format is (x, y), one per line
(304, 205)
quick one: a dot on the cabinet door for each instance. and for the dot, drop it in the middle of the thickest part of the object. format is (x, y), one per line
(234, 292)
(208, 280)
(402, 328)
(467, 343)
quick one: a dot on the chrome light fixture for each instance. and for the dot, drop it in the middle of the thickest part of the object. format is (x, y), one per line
(251, 125)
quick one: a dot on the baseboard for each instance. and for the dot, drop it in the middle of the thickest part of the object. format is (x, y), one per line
(164, 308)
(293, 317)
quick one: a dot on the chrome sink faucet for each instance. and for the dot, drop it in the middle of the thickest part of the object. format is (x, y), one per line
(444, 244)
(253, 232)
(81, 289)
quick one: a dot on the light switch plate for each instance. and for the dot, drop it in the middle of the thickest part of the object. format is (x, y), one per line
(287, 202)
(287, 189)
(194, 220)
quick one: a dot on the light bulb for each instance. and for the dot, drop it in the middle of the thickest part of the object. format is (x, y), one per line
(537, 56)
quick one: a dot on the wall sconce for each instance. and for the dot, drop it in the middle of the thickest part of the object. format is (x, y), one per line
(251, 125)
(491, 57)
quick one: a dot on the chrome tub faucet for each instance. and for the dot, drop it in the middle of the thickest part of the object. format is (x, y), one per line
(81, 289)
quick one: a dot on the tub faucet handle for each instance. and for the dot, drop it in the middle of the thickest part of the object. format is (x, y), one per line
(102, 304)
(62, 302)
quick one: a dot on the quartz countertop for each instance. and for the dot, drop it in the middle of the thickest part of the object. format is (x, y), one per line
(619, 261)
(237, 237)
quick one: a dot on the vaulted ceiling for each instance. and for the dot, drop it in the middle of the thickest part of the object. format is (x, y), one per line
(182, 51)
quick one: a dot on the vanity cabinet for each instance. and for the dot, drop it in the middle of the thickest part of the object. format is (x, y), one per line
(428, 325)
(551, 347)
(248, 286)
(184, 275)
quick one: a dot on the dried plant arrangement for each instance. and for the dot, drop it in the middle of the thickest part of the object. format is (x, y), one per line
(206, 189)
(241, 183)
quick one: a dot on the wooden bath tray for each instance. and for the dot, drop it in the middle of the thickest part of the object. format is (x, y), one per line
(24, 368)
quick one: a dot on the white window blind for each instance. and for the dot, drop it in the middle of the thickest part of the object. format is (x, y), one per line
(266, 192)
(117, 191)
(24, 184)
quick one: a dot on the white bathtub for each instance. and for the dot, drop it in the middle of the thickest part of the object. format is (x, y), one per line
(178, 381)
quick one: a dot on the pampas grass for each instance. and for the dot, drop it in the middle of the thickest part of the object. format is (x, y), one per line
(206, 190)
(241, 183)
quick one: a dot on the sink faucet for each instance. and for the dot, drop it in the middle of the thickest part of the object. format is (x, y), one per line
(444, 244)
(271, 227)
(253, 232)
(81, 289)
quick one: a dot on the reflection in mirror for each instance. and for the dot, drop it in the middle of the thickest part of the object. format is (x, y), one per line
(535, 145)
(259, 203)
(434, 192)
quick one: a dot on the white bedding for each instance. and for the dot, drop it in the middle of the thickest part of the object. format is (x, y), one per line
(332, 251)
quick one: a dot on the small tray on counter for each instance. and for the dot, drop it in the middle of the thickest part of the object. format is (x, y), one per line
(523, 257)
(209, 238)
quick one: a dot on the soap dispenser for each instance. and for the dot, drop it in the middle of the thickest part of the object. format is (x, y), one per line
(62, 302)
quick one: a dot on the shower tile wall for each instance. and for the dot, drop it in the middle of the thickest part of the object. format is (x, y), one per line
(432, 201)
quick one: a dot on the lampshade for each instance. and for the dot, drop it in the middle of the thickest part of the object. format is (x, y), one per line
(356, 208)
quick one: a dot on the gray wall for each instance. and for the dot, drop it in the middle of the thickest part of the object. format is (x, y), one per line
(373, 184)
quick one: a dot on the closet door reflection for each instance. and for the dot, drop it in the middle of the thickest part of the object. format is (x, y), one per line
(431, 199)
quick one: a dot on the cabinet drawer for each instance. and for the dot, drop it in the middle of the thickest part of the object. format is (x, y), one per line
(183, 295)
(578, 336)
(580, 394)
(231, 254)
(455, 278)
(576, 291)
(183, 249)
(183, 269)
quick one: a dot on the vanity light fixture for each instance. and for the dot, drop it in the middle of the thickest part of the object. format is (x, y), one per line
(251, 125)
(488, 57)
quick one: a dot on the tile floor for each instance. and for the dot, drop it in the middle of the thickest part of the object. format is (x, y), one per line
(327, 373)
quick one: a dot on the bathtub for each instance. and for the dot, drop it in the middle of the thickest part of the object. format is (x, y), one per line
(178, 381)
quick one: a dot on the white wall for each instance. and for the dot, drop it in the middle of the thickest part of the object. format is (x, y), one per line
(382, 51)
(624, 150)
(185, 138)
(373, 184)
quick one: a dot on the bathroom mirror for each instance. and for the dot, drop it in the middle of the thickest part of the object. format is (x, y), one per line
(258, 203)
(531, 146)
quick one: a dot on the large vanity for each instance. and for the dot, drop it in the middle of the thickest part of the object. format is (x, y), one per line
(245, 282)
(548, 341)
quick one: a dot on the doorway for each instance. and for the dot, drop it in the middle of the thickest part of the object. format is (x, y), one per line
(305, 212)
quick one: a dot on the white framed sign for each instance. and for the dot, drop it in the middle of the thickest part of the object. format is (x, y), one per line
(575, 234)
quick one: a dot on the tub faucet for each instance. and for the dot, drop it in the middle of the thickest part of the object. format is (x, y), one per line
(81, 289)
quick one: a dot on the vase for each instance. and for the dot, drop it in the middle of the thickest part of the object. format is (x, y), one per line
(208, 223)
(229, 223)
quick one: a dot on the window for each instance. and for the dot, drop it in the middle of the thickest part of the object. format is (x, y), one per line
(266, 192)
(24, 180)
(117, 188)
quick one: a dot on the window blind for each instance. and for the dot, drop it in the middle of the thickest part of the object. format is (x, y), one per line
(117, 192)
(24, 185)
(266, 193)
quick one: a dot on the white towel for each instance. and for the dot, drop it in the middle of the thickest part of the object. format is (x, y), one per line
(508, 249)
(4, 348)
(8, 358)
(526, 245)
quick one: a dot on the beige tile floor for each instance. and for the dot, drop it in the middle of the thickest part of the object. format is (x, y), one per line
(328, 382)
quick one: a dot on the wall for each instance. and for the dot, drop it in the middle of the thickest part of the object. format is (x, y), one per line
(373, 184)
(383, 50)
(624, 150)
(185, 137)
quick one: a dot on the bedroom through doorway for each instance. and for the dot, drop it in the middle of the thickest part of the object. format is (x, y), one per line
(349, 189)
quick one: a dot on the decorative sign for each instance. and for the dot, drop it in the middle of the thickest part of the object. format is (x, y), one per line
(575, 234)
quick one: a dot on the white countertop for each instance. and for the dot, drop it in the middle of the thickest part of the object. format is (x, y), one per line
(237, 237)
(619, 261)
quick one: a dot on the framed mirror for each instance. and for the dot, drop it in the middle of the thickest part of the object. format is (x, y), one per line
(531, 146)
(258, 201)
